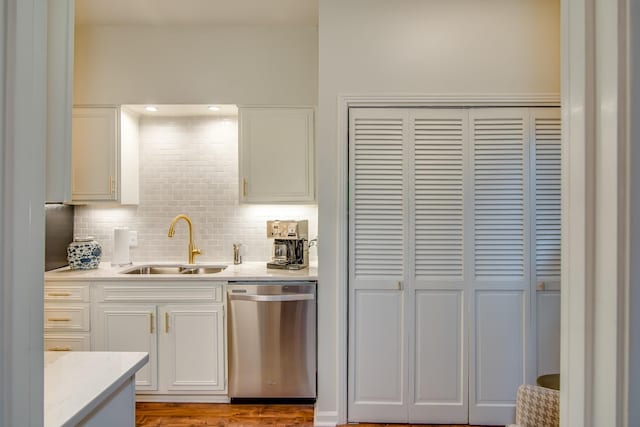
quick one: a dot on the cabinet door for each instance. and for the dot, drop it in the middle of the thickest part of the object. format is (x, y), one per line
(94, 153)
(276, 155)
(192, 347)
(130, 328)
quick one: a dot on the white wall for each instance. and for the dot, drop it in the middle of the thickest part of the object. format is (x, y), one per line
(414, 47)
(196, 65)
(190, 165)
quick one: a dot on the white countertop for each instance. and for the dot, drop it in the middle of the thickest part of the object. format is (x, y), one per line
(77, 382)
(244, 271)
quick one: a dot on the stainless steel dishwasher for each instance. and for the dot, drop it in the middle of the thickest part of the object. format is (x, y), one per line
(272, 340)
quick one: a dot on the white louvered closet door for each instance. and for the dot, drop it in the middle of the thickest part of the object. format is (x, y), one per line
(453, 219)
(500, 357)
(545, 246)
(378, 165)
(436, 293)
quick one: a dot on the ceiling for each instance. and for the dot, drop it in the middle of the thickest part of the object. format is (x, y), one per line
(196, 12)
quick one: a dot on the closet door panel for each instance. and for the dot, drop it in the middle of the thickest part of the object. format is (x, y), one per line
(546, 186)
(499, 196)
(501, 344)
(377, 382)
(438, 194)
(378, 358)
(440, 390)
(499, 320)
(438, 351)
(548, 332)
(545, 246)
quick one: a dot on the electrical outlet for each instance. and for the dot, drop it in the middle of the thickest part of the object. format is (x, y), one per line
(133, 239)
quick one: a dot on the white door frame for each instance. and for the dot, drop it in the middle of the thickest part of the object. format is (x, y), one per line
(22, 154)
(596, 195)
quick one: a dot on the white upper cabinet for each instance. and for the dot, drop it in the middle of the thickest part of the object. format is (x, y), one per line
(104, 155)
(276, 152)
(60, 30)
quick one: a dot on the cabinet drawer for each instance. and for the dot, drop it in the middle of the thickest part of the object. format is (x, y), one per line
(66, 317)
(153, 293)
(67, 292)
(67, 342)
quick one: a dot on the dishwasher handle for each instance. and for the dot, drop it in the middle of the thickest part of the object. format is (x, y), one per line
(271, 298)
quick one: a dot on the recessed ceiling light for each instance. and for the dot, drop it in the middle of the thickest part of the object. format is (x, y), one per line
(213, 108)
(151, 108)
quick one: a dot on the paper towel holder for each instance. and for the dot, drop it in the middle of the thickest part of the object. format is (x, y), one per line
(121, 249)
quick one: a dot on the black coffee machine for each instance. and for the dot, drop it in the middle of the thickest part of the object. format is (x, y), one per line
(290, 244)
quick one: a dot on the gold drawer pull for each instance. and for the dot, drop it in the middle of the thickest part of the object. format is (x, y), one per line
(59, 319)
(150, 323)
(59, 349)
(244, 187)
(59, 294)
(166, 322)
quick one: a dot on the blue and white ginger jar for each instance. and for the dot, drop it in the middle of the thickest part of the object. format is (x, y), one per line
(84, 253)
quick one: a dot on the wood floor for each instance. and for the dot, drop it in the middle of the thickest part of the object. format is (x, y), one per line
(211, 414)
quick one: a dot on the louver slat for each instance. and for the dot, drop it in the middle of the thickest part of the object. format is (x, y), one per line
(378, 197)
(438, 186)
(547, 197)
(498, 198)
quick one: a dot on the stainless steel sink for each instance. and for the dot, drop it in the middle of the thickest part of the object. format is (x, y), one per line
(203, 269)
(174, 269)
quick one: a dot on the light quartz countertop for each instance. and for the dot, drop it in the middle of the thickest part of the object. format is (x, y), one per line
(244, 271)
(77, 382)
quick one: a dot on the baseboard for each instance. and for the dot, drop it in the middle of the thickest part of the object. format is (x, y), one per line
(325, 418)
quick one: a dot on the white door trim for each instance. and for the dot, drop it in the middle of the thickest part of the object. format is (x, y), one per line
(22, 154)
(595, 203)
(345, 101)
(632, 352)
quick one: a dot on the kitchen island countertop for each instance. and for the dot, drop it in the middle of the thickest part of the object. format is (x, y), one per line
(240, 272)
(78, 383)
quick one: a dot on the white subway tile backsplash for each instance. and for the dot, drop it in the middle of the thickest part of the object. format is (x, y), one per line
(190, 165)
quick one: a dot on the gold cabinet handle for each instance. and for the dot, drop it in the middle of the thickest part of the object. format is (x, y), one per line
(244, 187)
(111, 184)
(59, 294)
(59, 319)
(166, 322)
(399, 285)
(150, 323)
(59, 349)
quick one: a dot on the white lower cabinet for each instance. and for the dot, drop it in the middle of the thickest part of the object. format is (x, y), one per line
(67, 316)
(185, 340)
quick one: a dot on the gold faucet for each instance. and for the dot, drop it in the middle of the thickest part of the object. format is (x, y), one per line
(193, 251)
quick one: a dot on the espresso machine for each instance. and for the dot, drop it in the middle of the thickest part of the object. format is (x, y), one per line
(290, 244)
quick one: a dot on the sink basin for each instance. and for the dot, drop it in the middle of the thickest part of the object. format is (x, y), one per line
(202, 270)
(175, 269)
